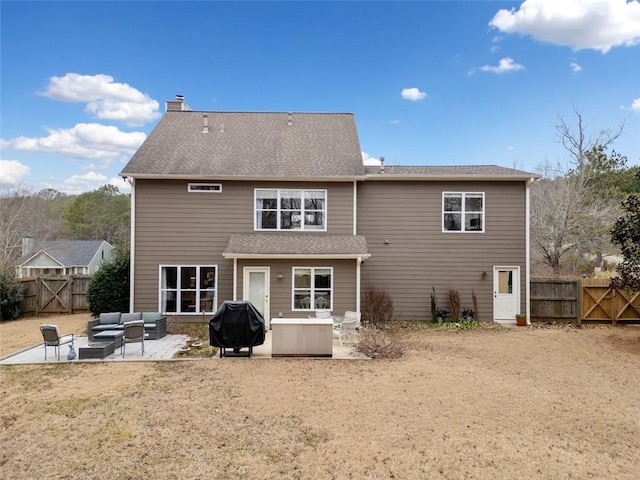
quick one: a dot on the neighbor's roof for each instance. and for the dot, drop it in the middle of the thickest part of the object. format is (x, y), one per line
(66, 252)
(249, 145)
(292, 245)
(458, 172)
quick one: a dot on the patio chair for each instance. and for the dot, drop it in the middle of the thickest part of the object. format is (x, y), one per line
(346, 331)
(323, 314)
(52, 338)
(133, 333)
(354, 315)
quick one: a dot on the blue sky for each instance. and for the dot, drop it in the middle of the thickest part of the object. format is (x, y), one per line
(430, 83)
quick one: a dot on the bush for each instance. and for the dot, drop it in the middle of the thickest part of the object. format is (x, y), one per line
(109, 287)
(377, 309)
(376, 344)
(11, 294)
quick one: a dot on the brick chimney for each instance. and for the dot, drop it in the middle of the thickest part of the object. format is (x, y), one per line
(28, 244)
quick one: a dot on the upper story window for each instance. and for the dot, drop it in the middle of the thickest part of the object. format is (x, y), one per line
(291, 209)
(205, 187)
(463, 212)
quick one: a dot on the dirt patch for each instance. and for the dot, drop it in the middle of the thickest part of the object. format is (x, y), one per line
(486, 403)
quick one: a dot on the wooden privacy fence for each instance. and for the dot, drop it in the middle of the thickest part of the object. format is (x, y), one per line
(55, 294)
(554, 300)
(603, 304)
(583, 301)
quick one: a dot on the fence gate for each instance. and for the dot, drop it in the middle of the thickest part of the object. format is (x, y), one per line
(603, 304)
(55, 294)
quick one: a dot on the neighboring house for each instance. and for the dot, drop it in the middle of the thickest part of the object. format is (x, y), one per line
(278, 209)
(61, 257)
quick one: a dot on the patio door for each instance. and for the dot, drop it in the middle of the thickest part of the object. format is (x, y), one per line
(256, 290)
(506, 293)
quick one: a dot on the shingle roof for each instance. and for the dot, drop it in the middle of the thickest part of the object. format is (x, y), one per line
(462, 172)
(67, 252)
(296, 245)
(247, 144)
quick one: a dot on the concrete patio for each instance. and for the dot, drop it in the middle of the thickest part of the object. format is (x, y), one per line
(154, 350)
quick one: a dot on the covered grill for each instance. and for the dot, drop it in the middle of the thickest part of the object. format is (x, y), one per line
(236, 325)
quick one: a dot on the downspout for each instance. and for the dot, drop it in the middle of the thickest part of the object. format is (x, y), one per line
(355, 207)
(235, 279)
(358, 264)
(132, 254)
(355, 232)
(528, 249)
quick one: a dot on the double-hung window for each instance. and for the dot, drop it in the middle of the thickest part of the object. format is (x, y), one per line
(463, 212)
(280, 209)
(188, 288)
(312, 288)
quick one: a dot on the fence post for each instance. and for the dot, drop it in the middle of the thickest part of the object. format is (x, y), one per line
(579, 297)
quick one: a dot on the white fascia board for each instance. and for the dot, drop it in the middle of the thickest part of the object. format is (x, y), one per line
(250, 178)
(296, 256)
(447, 178)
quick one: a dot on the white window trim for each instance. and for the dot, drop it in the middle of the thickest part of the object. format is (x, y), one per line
(278, 211)
(192, 187)
(463, 212)
(312, 288)
(179, 289)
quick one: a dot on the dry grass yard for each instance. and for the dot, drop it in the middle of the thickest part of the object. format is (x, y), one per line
(481, 404)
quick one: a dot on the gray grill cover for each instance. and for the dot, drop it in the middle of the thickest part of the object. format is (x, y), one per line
(236, 325)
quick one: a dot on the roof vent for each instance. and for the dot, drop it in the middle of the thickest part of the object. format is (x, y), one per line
(205, 123)
(290, 119)
(381, 165)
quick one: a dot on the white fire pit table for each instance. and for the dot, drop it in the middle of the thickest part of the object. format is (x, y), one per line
(302, 337)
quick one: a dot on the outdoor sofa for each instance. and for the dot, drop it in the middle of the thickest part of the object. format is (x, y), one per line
(155, 324)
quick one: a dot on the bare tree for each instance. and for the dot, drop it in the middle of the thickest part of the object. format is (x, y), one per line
(568, 214)
(15, 209)
(565, 218)
(578, 141)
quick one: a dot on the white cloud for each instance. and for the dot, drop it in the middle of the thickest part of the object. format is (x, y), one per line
(12, 171)
(505, 65)
(122, 185)
(77, 184)
(395, 122)
(579, 24)
(369, 161)
(105, 99)
(575, 67)
(84, 140)
(413, 94)
(635, 105)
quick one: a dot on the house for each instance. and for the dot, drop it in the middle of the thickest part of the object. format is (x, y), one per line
(61, 257)
(278, 209)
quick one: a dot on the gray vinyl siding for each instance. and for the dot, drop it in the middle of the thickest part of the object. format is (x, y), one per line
(419, 256)
(177, 227)
(344, 283)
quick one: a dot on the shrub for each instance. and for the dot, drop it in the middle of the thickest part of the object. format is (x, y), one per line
(434, 305)
(108, 289)
(454, 302)
(376, 344)
(377, 309)
(11, 294)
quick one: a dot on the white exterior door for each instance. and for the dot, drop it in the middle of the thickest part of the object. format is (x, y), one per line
(256, 290)
(506, 293)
